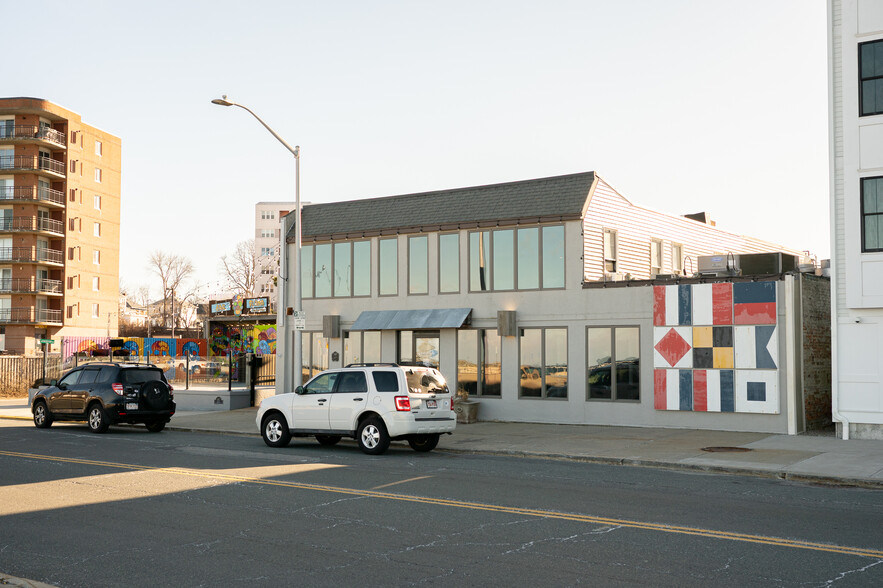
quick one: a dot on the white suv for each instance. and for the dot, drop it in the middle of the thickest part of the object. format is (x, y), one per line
(373, 403)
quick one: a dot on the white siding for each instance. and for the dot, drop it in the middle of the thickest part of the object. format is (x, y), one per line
(636, 227)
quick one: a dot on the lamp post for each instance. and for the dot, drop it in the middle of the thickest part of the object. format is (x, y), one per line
(283, 292)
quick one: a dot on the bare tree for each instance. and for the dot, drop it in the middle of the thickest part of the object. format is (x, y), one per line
(172, 270)
(240, 269)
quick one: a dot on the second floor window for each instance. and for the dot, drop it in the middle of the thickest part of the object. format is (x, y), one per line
(655, 257)
(872, 214)
(418, 259)
(609, 251)
(870, 63)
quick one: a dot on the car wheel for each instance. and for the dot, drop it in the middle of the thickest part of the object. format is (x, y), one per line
(156, 426)
(155, 394)
(274, 430)
(328, 439)
(423, 443)
(98, 421)
(373, 438)
(42, 416)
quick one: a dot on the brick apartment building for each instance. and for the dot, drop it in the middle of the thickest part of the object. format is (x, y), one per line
(59, 226)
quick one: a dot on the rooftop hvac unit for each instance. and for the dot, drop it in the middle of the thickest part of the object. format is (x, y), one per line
(767, 263)
(718, 265)
(665, 277)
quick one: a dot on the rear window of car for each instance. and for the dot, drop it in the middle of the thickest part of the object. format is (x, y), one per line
(88, 376)
(426, 382)
(141, 375)
(106, 375)
(386, 381)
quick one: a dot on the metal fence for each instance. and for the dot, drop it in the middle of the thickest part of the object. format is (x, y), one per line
(17, 374)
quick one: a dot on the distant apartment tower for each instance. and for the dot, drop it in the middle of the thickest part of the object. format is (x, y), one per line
(59, 226)
(855, 74)
(267, 226)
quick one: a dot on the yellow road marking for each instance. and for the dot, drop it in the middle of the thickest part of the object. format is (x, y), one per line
(548, 514)
(400, 482)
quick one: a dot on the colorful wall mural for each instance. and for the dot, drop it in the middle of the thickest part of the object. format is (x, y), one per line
(259, 339)
(715, 348)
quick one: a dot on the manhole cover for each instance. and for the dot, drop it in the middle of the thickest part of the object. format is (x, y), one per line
(725, 449)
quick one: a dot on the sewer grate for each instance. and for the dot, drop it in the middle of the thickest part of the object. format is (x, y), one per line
(726, 449)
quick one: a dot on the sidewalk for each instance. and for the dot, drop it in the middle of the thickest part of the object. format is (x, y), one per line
(826, 460)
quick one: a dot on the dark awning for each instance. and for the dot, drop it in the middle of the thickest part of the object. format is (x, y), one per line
(411, 320)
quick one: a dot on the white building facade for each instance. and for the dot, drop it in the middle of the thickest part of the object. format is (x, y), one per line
(267, 233)
(855, 73)
(538, 299)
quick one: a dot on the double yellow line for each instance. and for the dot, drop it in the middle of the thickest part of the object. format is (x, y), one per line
(547, 514)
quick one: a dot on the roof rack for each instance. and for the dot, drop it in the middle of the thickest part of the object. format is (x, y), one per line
(371, 365)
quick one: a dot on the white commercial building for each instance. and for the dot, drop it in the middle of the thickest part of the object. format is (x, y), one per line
(267, 229)
(855, 73)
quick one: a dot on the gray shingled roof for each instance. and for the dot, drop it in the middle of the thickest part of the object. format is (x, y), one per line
(559, 197)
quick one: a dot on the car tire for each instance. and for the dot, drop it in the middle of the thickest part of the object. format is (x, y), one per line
(274, 430)
(156, 426)
(42, 416)
(328, 439)
(97, 419)
(155, 394)
(372, 436)
(423, 443)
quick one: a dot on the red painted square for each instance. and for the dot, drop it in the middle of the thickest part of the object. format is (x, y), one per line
(672, 347)
(659, 305)
(722, 304)
(659, 390)
(700, 390)
(755, 313)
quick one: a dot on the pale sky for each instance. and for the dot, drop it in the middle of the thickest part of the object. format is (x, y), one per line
(681, 106)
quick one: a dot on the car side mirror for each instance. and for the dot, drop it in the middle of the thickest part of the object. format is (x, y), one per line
(53, 382)
(299, 390)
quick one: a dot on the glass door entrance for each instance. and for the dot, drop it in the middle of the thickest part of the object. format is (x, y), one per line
(419, 346)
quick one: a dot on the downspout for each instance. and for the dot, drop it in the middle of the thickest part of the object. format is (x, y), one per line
(832, 186)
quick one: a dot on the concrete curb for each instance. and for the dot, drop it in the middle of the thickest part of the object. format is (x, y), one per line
(22, 583)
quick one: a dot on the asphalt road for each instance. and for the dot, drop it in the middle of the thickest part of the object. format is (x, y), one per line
(185, 509)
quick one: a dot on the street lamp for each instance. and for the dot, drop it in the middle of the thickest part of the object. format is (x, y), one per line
(282, 312)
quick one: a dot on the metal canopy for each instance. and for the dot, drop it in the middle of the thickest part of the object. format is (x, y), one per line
(411, 320)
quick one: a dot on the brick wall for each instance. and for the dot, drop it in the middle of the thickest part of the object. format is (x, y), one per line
(816, 368)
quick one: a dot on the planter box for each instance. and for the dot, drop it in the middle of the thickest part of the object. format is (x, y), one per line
(467, 411)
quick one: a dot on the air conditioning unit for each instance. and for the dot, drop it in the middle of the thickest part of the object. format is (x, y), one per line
(614, 276)
(664, 277)
(718, 265)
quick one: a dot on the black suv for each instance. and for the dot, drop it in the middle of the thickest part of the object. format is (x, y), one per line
(105, 393)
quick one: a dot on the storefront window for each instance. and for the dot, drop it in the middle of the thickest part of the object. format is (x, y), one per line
(614, 363)
(543, 363)
(478, 362)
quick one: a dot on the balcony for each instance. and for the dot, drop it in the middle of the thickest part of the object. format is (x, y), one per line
(29, 286)
(31, 133)
(31, 255)
(26, 315)
(31, 224)
(31, 163)
(32, 194)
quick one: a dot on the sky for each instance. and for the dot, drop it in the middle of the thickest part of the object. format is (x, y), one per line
(681, 106)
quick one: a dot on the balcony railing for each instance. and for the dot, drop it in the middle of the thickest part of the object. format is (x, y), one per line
(30, 162)
(32, 132)
(29, 315)
(32, 193)
(30, 286)
(31, 255)
(31, 224)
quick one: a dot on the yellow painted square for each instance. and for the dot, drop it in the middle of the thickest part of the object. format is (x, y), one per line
(702, 337)
(722, 357)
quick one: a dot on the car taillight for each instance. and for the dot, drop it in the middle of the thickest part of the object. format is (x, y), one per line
(118, 388)
(171, 388)
(452, 403)
(403, 403)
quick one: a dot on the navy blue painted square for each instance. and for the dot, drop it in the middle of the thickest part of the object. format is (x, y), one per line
(749, 292)
(685, 388)
(757, 391)
(728, 403)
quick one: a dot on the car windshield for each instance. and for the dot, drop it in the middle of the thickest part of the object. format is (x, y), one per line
(426, 381)
(141, 375)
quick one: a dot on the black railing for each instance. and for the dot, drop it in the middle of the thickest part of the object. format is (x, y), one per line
(32, 132)
(25, 162)
(31, 255)
(31, 224)
(31, 193)
(26, 315)
(30, 285)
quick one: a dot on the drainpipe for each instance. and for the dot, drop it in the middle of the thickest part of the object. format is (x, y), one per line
(835, 270)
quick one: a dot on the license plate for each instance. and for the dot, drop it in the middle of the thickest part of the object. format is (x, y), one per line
(431, 404)
(131, 406)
